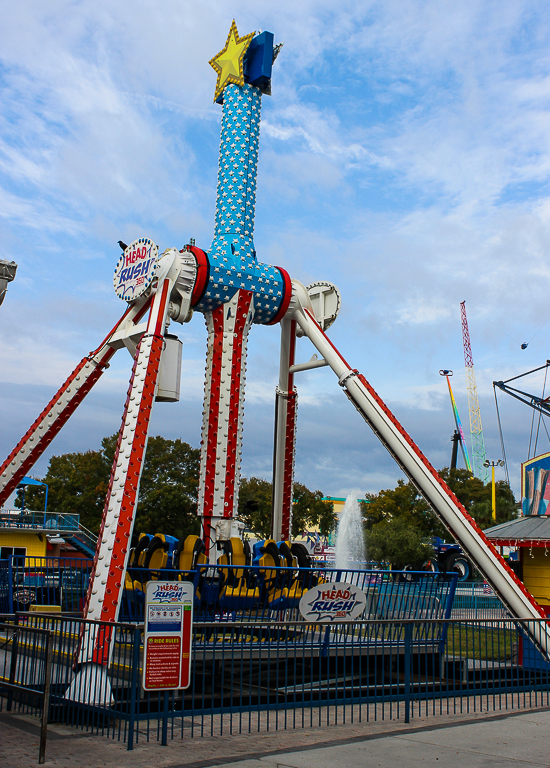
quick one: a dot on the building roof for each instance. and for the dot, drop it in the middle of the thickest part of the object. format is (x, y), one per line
(527, 529)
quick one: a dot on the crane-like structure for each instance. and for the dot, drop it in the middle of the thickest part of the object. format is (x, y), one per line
(476, 430)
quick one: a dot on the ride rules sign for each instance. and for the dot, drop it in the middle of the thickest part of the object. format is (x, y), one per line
(168, 633)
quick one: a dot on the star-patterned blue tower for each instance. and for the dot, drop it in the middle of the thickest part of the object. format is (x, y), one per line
(232, 256)
(239, 289)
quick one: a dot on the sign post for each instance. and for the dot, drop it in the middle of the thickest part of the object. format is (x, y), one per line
(168, 635)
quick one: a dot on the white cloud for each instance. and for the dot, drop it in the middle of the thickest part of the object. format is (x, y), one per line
(404, 155)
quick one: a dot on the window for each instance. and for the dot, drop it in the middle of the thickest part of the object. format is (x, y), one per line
(18, 554)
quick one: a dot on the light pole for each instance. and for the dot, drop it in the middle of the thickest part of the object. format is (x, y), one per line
(493, 464)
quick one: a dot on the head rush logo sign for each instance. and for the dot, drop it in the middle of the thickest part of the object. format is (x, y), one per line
(167, 593)
(135, 270)
(335, 601)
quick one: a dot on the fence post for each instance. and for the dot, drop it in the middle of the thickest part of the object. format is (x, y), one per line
(10, 584)
(133, 686)
(408, 649)
(13, 662)
(165, 720)
(46, 698)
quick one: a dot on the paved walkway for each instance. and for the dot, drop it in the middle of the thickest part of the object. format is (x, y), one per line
(457, 741)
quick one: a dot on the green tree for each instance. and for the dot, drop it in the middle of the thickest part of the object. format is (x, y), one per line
(406, 502)
(77, 484)
(403, 501)
(308, 509)
(167, 502)
(255, 506)
(398, 542)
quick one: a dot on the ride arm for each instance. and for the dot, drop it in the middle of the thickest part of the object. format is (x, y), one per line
(107, 577)
(542, 405)
(412, 461)
(64, 403)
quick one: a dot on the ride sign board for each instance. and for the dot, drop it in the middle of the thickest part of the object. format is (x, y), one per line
(168, 633)
(135, 270)
(333, 601)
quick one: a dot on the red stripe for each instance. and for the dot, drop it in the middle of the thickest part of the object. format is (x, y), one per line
(238, 358)
(445, 488)
(203, 271)
(213, 410)
(288, 464)
(48, 435)
(285, 301)
(290, 432)
(45, 437)
(312, 317)
(142, 311)
(159, 325)
(135, 319)
(115, 578)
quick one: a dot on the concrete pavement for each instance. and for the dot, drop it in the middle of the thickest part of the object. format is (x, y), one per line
(482, 741)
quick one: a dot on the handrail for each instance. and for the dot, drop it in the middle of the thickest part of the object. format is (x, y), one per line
(56, 521)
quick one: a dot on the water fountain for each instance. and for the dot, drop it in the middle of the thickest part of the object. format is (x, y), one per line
(350, 540)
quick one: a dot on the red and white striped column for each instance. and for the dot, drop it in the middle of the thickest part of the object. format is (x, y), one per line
(286, 403)
(108, 572)
(228, 327)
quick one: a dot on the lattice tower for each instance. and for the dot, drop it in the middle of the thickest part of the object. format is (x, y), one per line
(476, 430)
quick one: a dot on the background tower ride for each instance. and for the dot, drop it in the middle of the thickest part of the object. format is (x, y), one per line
(478, 443)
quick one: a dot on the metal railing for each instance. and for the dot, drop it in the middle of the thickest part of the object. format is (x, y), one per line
(26, 654)
(230, 593)
(256, 675)
(253, 593)
(39, 583)
(85, 537)
(27, 519)
(476, 600)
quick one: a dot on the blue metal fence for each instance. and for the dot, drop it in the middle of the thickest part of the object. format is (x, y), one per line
(230, 593)
(35, 583)
(261, 675)
(477, 600)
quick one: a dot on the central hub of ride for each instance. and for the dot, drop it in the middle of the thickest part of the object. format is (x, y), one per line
(237, 289)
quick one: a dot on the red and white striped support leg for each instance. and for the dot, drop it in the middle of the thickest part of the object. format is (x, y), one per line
(228, 327)
(65, 402)
(286, 402)
(413, 462)
(109, 568)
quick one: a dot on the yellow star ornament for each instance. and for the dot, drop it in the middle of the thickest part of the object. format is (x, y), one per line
(228, 63)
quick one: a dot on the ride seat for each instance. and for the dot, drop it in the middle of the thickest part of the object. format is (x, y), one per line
(189, 553)
(237, 590)
(159, 551)
(137, 558)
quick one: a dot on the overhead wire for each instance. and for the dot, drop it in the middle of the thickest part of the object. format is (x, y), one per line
(501, 437)
(539, 329)
(540, 412)
(531, 434)
(484, 317)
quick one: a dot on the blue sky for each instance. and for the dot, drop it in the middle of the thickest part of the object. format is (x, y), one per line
(404, 155)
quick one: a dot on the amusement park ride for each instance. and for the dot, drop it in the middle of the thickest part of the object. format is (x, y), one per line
(234, 290)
